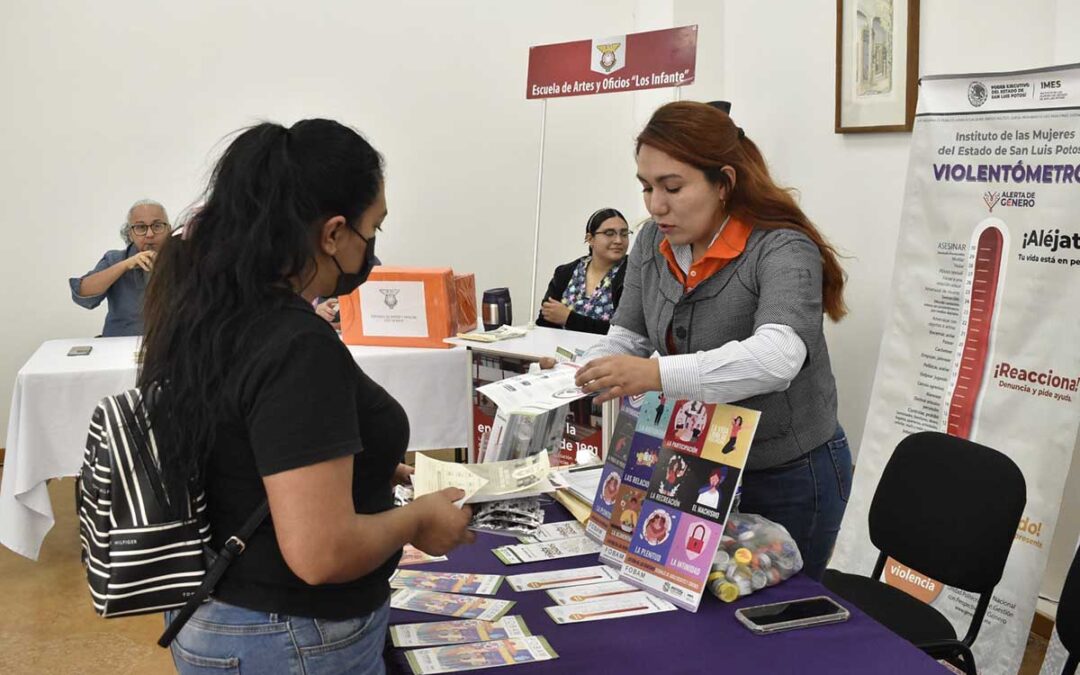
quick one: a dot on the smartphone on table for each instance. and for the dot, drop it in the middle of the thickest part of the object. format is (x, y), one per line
(780, 616)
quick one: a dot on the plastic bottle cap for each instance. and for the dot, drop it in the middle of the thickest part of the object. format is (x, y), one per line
(743, 556)
(729, 592)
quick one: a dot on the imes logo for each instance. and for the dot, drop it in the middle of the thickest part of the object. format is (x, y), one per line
(977, 93)
(991, 199)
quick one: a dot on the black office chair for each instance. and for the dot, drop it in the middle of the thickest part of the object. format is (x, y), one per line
(1068, 616)
(947, 508)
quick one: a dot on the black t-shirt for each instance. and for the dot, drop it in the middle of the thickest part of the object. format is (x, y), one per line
(295, 398)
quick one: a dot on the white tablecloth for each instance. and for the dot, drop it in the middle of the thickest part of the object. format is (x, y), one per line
(55, 395)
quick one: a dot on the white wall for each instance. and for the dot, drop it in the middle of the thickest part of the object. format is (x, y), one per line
(104, 104)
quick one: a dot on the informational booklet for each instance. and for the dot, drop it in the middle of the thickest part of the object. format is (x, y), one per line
(447, 582)
(450, 604)
(687, 496)
(591, 592)
(549, 550)
(526, 477)
(434, 633)
(456, 658)
(584, 482)
(565, 529)
(410, 555)
(615, 608)
(580, 576)
(606, 490)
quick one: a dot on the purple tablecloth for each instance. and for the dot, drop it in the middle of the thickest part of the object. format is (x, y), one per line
(709, 641)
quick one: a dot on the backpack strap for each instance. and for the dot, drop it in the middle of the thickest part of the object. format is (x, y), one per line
(145, 463)
(234, 546)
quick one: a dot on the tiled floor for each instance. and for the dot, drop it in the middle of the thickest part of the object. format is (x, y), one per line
(49, 626)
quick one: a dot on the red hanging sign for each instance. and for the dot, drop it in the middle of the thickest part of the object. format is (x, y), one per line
(650, 60)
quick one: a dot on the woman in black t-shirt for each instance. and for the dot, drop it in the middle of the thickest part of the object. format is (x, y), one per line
(253, 396)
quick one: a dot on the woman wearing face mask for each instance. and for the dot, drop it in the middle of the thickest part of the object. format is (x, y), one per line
(584, 293)
(252, 396)
(729, 282)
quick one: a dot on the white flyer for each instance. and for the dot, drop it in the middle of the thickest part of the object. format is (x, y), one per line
(592, 592)
(599, 610)
(526, 477)
(579, 576)
(550, 550)
(535, 392)
(565, 529)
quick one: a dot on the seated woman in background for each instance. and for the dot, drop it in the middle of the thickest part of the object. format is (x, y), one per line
(120, 276)
(583, 294)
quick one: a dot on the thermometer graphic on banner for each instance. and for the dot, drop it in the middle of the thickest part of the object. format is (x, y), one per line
(984, 280)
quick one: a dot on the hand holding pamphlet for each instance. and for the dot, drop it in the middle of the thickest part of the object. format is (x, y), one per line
(512, 479)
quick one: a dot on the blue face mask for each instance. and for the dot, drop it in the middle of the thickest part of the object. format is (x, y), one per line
(347, 282)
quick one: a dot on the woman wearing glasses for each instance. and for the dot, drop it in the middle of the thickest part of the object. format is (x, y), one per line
(120, 275)
(583, 294)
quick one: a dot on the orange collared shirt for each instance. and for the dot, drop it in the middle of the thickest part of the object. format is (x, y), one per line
(728, 245)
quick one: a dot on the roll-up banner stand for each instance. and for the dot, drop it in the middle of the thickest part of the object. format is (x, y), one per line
(983, 332)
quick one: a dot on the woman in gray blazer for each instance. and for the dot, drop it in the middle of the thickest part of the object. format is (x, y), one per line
(730, 282)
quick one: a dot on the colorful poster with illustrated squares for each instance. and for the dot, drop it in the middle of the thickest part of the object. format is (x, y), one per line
(687, 500)
(611, 475)
(642, 458)
(433, 633)
(456, 658)
(447, 582)
(450, 604)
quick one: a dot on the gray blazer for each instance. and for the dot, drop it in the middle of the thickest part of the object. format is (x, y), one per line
(777, 279)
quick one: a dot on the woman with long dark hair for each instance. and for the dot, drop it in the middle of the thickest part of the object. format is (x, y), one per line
(252, 396)
(729, 282)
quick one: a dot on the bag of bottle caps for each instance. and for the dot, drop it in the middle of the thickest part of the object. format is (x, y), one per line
(754, 553)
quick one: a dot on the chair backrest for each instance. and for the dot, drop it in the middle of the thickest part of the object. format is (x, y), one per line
(1068, 612)
(948, 508)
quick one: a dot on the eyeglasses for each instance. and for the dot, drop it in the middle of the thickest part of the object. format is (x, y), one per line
(611, 234)
(142, 228)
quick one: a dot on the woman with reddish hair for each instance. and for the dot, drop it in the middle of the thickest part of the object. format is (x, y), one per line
(729, 281)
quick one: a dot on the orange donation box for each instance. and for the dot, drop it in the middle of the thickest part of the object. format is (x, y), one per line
(401, 307)
(465, 318)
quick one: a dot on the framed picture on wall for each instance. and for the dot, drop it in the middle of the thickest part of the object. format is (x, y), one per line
(877, 65)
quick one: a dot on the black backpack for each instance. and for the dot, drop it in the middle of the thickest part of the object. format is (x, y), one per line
(140, 556)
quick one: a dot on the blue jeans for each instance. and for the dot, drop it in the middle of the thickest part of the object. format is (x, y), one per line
(807, 496)
(223, 638)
